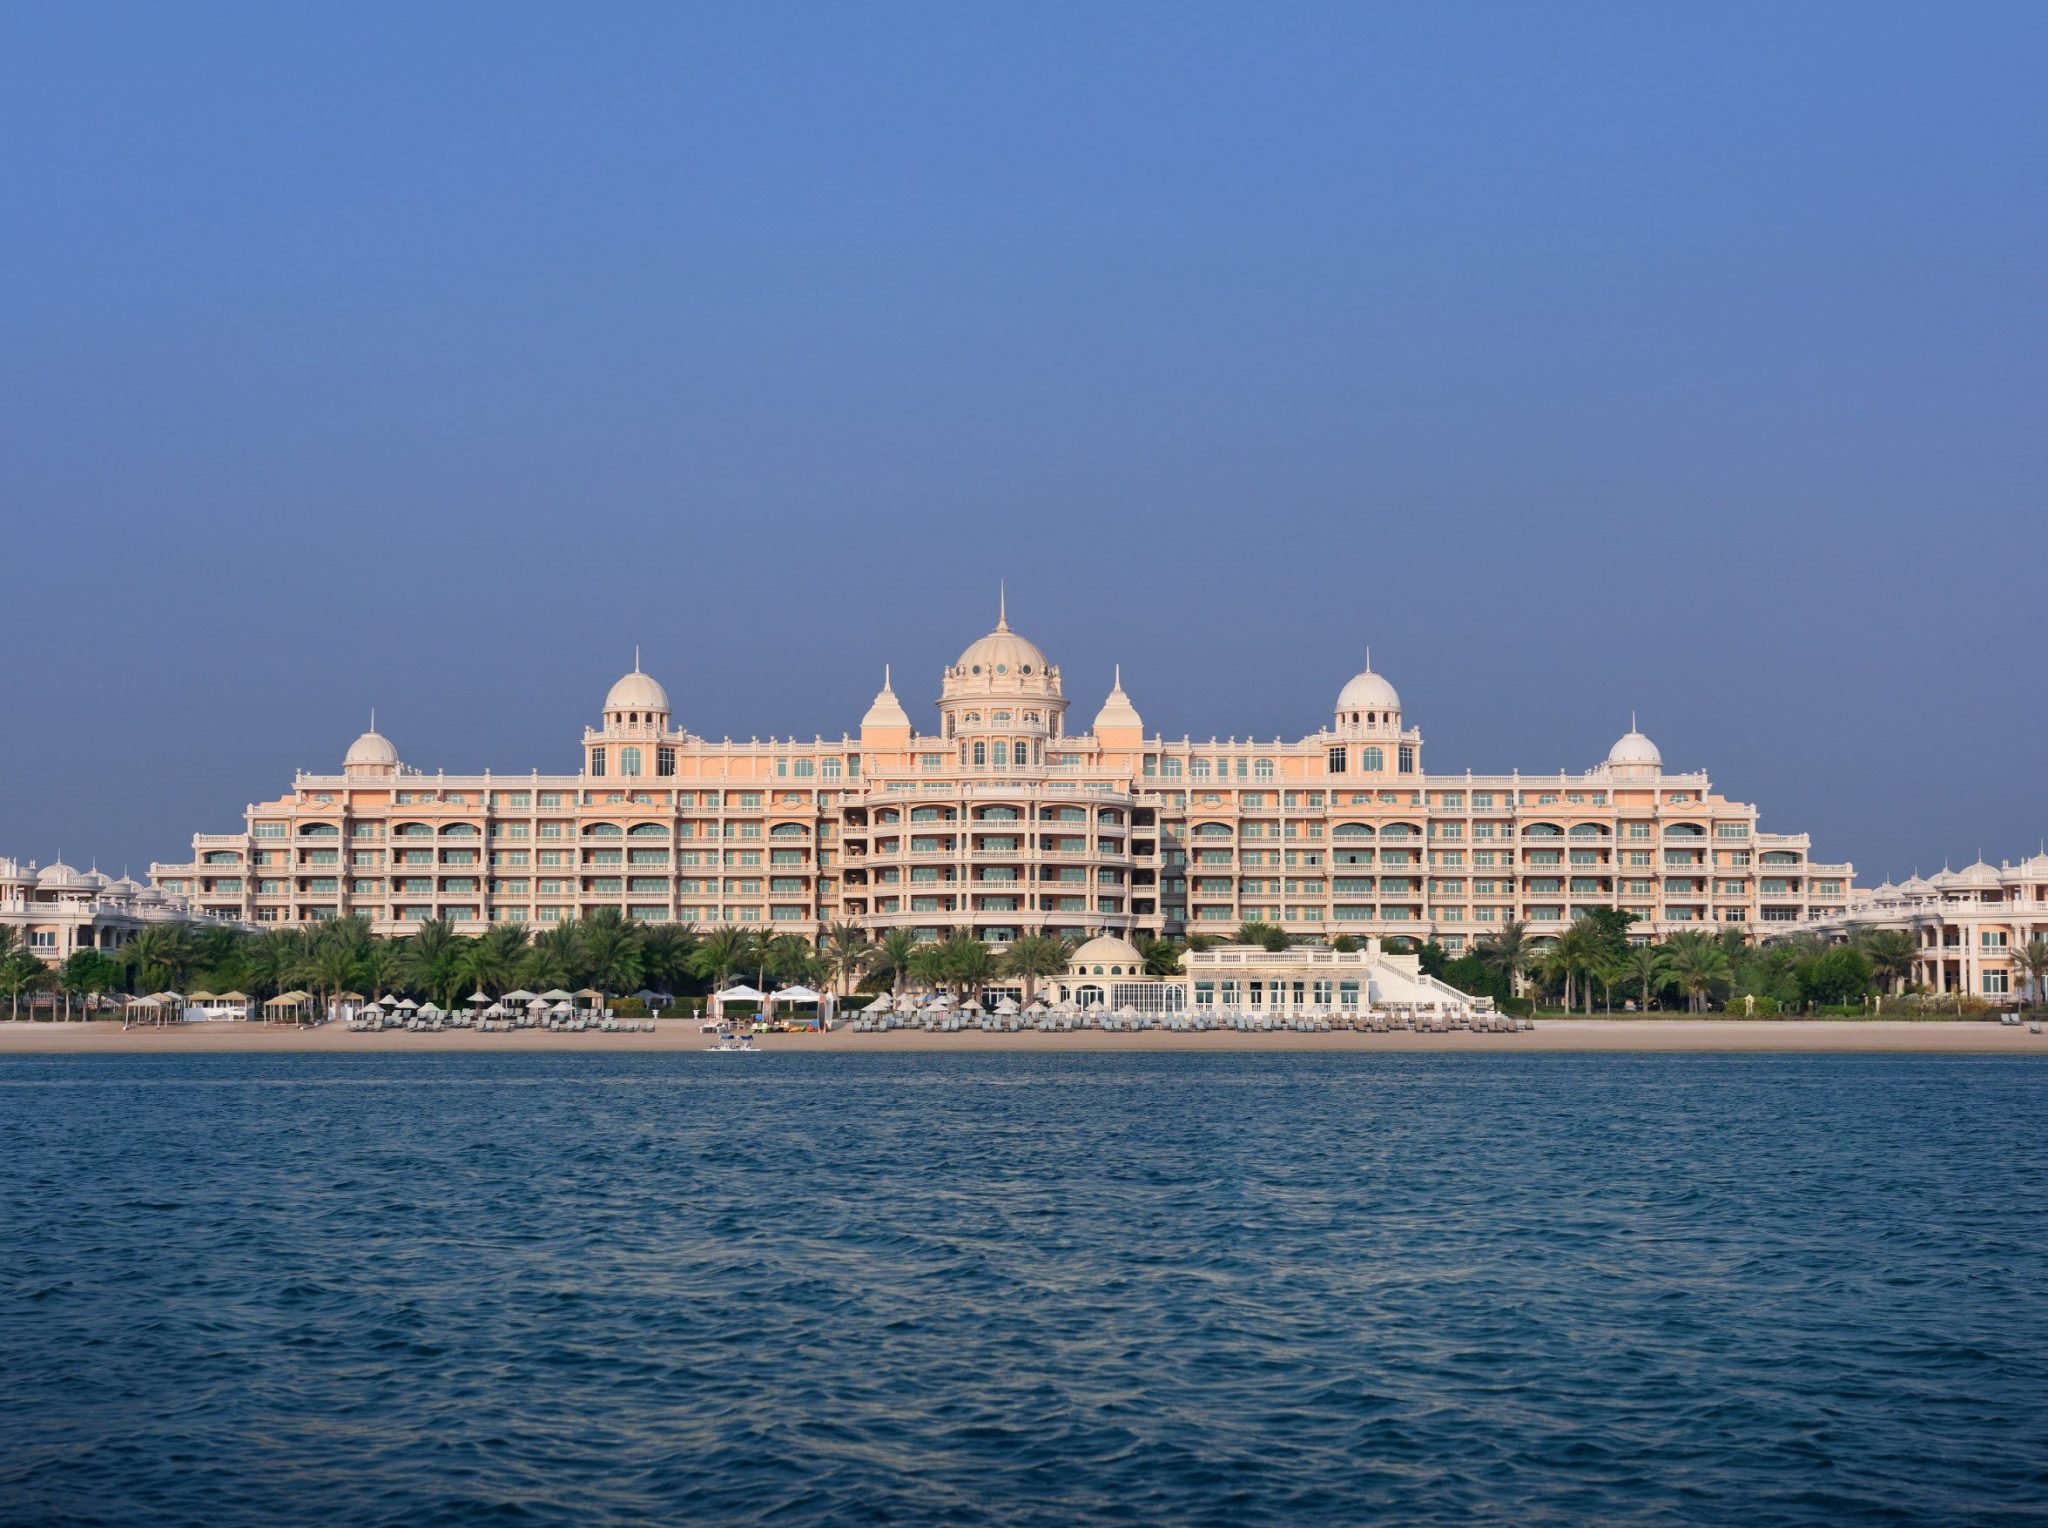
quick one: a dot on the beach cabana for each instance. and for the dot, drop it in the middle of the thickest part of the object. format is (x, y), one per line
(739, 992)
(294, 1007)
(146, 1010)
(518, 995)
(236, 1004)
(798, 995)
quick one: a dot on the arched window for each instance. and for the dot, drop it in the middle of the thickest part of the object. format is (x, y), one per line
(1198, 769)
(1262, 769)
(1002, 754)
(1351, 830)
(1372, 760)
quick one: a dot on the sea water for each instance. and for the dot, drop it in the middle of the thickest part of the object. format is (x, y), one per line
(906, 1288)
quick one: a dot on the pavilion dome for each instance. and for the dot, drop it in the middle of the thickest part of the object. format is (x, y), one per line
(1116, 957)
(127, 886)
(1916, 886)
(58, 876)
(2038, 865)
(1367, 691)
(1979, 874)
(636, 692)
(887, 711)
(1632, 747)
(1117, 711)
(372, 749)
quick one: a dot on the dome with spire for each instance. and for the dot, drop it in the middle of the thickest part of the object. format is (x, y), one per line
(1117, 712)
(58, 876)
(373, 750)
(1632, 747)
(1368, 691)
(636, 692)
(1002, 654)
(1980, 874)
(887, 711)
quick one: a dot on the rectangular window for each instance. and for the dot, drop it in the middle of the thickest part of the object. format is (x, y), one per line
(597, 762)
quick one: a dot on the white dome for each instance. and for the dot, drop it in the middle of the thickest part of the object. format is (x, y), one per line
(1117, 710)
(127, 886)
(636, 692)
(1002, 654)
(1109, 952)
(1367, 691)
(58, 876)
(887, 711)
(372, 748)
(1633, 748)
(1979, 874)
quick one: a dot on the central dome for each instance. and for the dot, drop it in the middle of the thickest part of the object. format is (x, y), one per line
(372, 748)
(1107, 955)
(1368, 691)
(1001, 654)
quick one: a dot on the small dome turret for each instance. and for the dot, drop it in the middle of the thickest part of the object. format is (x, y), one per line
(887, 710)
(1634, 749)
(1117, 713)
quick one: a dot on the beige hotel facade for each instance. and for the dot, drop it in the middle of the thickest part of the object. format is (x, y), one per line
(1005, 819)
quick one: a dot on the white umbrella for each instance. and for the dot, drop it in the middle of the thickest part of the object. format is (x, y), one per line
(430, 1012)
(564, 1008)
(879, 1005)
(970, 1006)
(1127, 1012)
(557, 995)
(406, 1003)
(479, 996)
(1008, 1005)
(519, 995)
(797, 994)
(496, 1010)
(1037, 1010)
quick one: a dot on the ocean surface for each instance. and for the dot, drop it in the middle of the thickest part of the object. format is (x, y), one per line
(1098, 1288)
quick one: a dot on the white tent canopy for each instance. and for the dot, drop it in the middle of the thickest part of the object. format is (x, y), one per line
(797, 994)
(741, 993)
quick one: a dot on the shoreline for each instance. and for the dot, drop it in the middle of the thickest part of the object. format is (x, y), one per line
(1642, 1035)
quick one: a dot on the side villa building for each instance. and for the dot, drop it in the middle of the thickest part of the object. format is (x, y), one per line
(1003, 820)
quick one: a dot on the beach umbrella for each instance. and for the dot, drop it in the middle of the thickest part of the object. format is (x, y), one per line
(405, 1005)
(478, 996)
(1037, 1010)
(1127, 1012)
(557, 995)
(1008, 1005)
(879, 1005)
(564, 1008)
(429, 1011)
(517, 995)
(496, 1010)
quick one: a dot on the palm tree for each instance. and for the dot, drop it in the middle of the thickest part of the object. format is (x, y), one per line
(846, 951)
(86, 974)
(894, 955)
(554, 959)
(1580, 950)
(927, 967)
(1034, 956)
(724, 951)
(162, 952)
(383, 967)
(276, 958)
(1890, 952)
(668, 954)
(2032, 958)
(1509, 953)
(1697, 963)
(1269, 935)
(970, 964)
(611, 951)
(334, 967)
(21, 972)
(1162, 956)
(1647, 967)
(432, 952)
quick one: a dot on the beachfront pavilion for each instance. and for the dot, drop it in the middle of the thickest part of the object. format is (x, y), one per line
(1109, 973)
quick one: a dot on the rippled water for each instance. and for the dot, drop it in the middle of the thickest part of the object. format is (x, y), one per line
(1220, 1289)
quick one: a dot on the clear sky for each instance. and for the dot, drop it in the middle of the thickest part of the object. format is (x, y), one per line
(1578, 358)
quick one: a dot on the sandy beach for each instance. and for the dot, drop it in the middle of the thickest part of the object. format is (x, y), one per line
(1820, 1036)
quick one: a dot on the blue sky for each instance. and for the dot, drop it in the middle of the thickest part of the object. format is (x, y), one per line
(1576, 357)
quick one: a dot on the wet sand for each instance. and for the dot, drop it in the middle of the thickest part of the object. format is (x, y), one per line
(1631, 1034)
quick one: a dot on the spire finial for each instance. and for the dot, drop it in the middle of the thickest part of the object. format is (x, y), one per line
(1368, 657)
(373, 718)
(1002, 605)
(1632, 720)
(885, 676)
(636, 657)
(1119, 676)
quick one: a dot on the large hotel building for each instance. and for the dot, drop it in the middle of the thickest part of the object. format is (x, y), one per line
(1004, 819)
